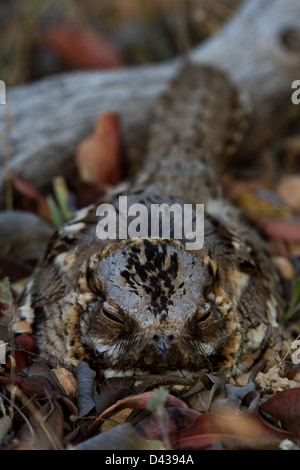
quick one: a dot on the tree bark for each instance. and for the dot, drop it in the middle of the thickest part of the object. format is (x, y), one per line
(259, 48)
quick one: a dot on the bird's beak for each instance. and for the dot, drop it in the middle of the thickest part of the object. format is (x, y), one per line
(162, 347)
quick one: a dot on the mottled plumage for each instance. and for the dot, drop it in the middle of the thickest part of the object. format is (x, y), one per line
(150, 305)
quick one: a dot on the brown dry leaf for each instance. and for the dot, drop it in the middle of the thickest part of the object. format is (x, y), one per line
(47, 426)
(81, 48)
(98, 158)
(261, 203)
(286, 267)
(40, 368)
(289, 190)
(122, 386)
(233, 187)
(66, 380)
(37, 380)
(118, 418)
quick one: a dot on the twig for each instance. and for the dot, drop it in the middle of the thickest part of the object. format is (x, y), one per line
(181, 30)
(7, 299)
(7, 157)
(285, 356)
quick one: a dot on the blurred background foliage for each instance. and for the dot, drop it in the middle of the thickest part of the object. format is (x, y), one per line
(41, 38)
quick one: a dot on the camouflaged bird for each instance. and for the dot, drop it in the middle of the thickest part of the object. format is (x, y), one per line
(148, 305)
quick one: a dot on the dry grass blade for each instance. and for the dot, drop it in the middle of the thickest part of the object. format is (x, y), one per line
(156, 404)
(38, 419)
(17, 409)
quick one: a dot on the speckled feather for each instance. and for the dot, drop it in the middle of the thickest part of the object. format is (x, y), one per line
(149, 305)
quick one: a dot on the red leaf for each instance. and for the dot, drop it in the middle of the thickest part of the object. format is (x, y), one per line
(25, 349)
(210, 427)
(80, 48)
(33, 195)
(135, 402)
(179, 419)
(141, 402)
(14, 269)
(285, 408)
(282, 229)
(190, 429)
(35, 386)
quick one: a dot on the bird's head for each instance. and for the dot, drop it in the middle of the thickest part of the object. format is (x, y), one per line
(150, 305)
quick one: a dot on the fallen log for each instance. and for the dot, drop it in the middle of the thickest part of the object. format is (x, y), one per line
(259, 48)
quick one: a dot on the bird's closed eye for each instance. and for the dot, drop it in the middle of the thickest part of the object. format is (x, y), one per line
(111, 312)
(204, 313)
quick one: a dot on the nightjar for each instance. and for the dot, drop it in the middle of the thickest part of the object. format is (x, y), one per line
(147, 304)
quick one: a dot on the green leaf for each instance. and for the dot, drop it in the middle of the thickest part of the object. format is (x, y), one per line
(62, 196)
(5, 294)
(55, 214)
(294, 305)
